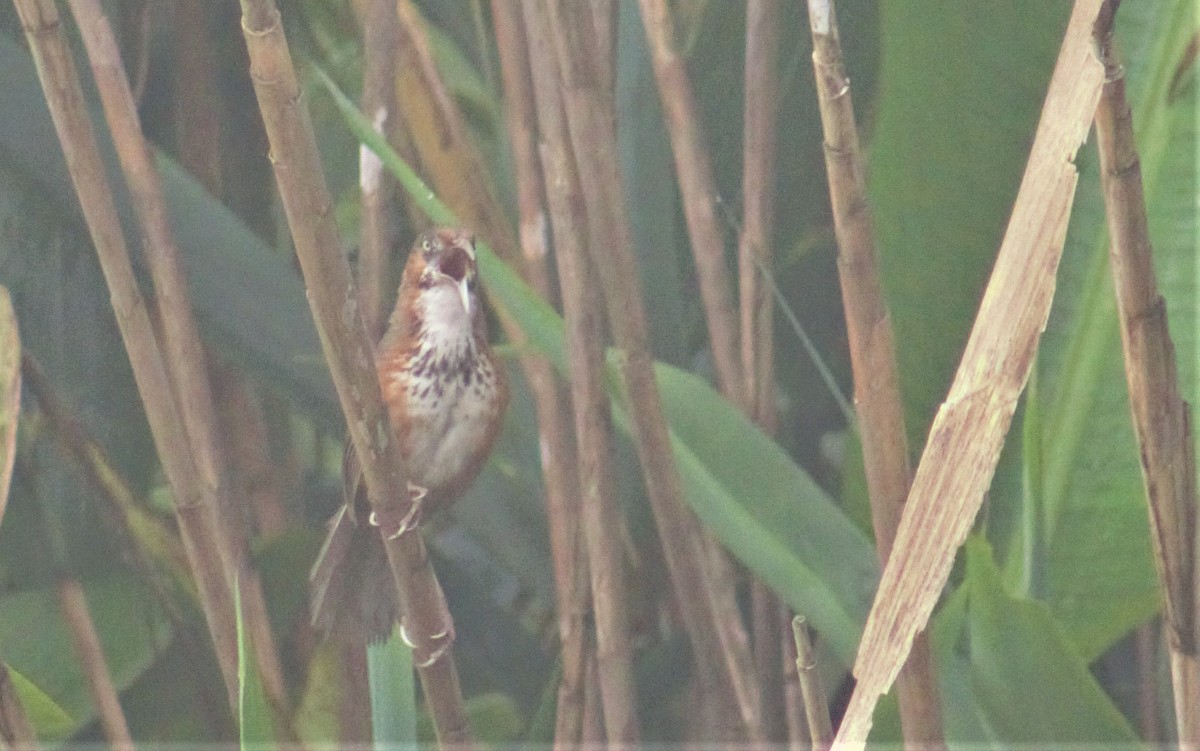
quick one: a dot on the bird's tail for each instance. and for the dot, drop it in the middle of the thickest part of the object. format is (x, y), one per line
(351, 578)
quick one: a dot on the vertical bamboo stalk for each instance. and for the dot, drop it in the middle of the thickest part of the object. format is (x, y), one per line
(816, 705)
(350, 355)
(1160, 415)
(716, 640)
(197, 520)
(968, 431)
(560, 460)
(380, 34)
(600, 519)
(183, 351)
(697, 187)
(73, 603)
(759, 114)
(872, 352)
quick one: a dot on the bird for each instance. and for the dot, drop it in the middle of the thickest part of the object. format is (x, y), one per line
(446, 394)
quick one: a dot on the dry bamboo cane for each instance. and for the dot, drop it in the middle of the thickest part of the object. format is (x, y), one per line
(968, 431)
(197, 521)
(182, 349)
(560, 458)
(600, 515)
(718, 641)
(872, 352)
(350, 355)
(1160, 415)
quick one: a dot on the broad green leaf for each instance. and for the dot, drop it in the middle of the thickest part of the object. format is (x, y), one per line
(767, 511)
(1031, 684)
(961, 87)
(1092, 560)
(49, 720)
(393, 692)
(36, 643)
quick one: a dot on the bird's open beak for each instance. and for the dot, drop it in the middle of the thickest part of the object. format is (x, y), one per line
(465, 293)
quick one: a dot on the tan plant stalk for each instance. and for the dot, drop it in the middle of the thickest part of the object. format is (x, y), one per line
(10, 393)
(816, 704)
(558, 450)
(968, 431)
(756, 307)
(350, 355)
(448, 155)
(877, 397)
(16, 731)
(182, 349)
(697, 187)
(717, 640)
(377, 188)
(197, 521)
(1160, 415)
(73, 603)
(599, 512)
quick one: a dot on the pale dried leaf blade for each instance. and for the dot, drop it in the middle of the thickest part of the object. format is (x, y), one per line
(965, 440)
(10, 393)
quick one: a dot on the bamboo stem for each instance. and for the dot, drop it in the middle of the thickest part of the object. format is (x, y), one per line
(380, 34)
(816, 705)
(182, 349)
(600, 518)
(197, 521)
(560, 459)
(872, 351)
(10, 393)
(78, 618)
(1160, 416)
(350, 356)
(697, 187)
(968, 432)
(716, 639)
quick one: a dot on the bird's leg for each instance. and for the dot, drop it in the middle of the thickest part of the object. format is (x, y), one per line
(411, 519)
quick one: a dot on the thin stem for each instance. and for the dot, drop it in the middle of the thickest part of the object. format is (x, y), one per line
(816, 705)
(763, 27)
(350, 355)
(1160, 416)
(380, 34)
(73, 603)
(693, 169)
(10, 392)
(872, 352)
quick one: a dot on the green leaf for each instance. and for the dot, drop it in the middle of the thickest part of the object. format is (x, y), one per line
(132, 630)
(961, 87)
(769, 512)
(1031, 684)
(393, 692)
(49, 720)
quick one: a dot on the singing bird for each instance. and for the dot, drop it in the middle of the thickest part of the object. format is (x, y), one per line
(446, 393)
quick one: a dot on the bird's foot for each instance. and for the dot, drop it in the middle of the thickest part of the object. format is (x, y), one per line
(411, 519)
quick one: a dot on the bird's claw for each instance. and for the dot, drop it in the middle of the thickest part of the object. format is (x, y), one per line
(410, 521)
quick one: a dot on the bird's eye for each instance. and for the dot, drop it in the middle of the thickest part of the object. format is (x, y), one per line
(426, 246)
